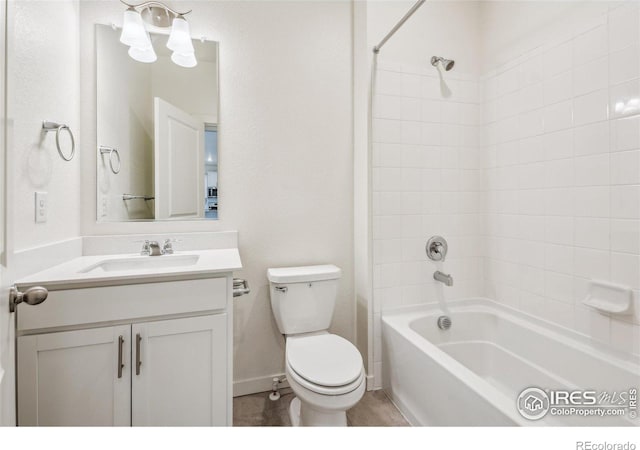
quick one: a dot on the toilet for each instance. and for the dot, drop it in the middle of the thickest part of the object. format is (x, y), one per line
(325, 371)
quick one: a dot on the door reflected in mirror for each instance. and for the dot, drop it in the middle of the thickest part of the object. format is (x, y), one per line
(157, 133)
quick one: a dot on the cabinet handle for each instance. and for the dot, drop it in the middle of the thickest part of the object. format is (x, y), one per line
(120, 363)
(138, 361)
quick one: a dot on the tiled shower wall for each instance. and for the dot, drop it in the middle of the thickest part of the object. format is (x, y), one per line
(531, 172)
(561, 164)
(426, 181)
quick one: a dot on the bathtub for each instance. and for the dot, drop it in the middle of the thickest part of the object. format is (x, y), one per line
(473, 373)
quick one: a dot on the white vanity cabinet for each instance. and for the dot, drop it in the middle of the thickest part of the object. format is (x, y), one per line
(156, 354)
(71, 378)
(179, 375)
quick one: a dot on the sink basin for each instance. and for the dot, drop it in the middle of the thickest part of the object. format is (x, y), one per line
(142, 263)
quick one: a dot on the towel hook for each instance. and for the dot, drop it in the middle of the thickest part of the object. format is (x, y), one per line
(111, 151)
(58, 127)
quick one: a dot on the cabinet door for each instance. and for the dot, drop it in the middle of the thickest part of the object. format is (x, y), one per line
(181, 377)
(72, 378)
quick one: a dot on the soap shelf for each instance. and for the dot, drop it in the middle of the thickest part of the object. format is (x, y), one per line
(609, 297)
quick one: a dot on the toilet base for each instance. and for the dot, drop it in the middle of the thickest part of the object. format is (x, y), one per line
(304, 416)
(294, 412)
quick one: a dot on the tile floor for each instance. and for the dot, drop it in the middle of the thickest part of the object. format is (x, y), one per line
(256, 410)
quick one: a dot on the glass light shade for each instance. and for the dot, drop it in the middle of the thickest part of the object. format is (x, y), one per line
(187, 60)
(180, 37)
(143, 55)
(133, 32)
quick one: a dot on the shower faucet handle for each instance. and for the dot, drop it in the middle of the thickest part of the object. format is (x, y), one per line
(437, 248)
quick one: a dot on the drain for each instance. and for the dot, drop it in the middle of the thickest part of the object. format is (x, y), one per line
(444, 322)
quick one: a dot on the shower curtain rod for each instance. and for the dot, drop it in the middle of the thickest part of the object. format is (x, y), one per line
(409, 13)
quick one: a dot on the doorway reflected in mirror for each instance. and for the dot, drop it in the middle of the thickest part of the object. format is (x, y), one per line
(211, 170)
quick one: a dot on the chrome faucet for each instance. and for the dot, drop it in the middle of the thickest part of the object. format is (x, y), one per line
(443, 278)
(152, 248)
(437, 248)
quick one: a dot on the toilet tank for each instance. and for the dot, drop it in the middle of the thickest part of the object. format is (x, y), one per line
(303, 298)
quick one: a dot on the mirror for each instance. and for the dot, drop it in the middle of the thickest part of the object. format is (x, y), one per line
(157, 132)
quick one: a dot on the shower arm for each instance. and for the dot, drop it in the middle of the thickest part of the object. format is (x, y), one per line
(409, 13)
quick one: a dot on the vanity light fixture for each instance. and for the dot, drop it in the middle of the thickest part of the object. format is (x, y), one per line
(133, 31)
(180, 42)
(158, 15)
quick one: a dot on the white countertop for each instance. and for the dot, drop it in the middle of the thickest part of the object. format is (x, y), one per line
(73, 274)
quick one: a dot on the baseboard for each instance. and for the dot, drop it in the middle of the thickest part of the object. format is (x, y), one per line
(258, 384)
(370, 383)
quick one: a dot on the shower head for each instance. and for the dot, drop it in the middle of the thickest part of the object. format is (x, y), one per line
(446, 63)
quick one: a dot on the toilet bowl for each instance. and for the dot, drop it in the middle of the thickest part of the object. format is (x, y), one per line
(327, 376)
(325, 371)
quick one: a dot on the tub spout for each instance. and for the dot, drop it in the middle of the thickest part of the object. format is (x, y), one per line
(443, 278)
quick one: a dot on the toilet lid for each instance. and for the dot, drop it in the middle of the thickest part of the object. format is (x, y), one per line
(325, 359)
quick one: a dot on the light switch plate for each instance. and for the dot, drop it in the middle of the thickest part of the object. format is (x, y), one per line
(41, 207)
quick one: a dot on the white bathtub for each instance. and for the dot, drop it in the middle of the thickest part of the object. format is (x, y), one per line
(473, 373)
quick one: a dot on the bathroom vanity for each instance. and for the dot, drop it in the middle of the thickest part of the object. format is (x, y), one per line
(129, 340)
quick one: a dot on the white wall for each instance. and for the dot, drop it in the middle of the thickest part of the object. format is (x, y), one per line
(361, 185)
(42, 83)
(440, 27)
(42, 65)
(562, 160)
(286, 159)
(426, 178)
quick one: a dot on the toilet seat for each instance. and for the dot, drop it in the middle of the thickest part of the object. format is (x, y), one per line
(325, 390)
(324, 363)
